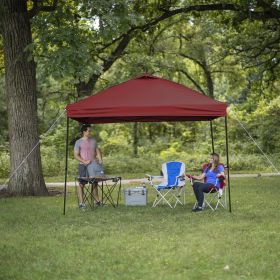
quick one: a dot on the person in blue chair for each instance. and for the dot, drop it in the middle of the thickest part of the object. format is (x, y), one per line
(210, 175)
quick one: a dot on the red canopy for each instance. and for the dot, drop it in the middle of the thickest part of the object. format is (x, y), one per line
(146, 99)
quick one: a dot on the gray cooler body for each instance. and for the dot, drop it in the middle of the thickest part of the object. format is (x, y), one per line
(136, 196)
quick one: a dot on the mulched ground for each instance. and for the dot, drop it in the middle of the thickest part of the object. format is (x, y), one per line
(4, 193)
(52, 192)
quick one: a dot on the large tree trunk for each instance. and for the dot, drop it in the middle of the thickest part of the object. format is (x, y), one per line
(20, 83)
(210, 84)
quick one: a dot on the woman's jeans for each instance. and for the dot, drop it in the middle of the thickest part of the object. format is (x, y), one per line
(199, 190)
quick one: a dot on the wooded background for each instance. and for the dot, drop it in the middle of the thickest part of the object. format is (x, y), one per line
(57, 52)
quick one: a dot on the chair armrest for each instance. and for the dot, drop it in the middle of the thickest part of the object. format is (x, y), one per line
(221, 177)
(181, 177)
(151, 177)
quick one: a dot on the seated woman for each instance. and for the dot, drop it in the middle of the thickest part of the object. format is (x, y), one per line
(213, 171)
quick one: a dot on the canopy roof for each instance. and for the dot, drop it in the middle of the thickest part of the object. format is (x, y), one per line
(146, 99)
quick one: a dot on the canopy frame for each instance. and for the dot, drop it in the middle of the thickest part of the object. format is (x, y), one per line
(162, 100)
(213, 150)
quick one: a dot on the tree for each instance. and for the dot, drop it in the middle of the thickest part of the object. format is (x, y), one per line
(20, 85)
(85, 41)
(69, 36)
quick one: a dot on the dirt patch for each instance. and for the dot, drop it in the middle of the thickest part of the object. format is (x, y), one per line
(55, 192)
(4, 193)
(52, 192)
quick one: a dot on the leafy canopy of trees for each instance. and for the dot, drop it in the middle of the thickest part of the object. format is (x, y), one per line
(228, 50)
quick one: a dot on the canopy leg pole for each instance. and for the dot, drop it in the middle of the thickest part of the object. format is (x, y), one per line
(66, 164)
(226, 130)
(212, 137)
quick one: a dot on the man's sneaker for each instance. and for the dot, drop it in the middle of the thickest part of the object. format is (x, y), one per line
(197, 209)
(100, 203)
(82, 206)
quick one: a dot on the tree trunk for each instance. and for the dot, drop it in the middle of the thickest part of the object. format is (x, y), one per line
(20, 86)
(210, 85)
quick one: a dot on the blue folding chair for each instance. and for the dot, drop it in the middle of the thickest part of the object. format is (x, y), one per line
(172, 190)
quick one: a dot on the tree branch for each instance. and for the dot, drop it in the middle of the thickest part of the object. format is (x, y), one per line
(36, 8)
(124, 39)
(193, 59)
(170, 13)
(192, 80)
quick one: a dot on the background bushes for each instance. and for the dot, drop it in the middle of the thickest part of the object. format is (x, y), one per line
(158, 143)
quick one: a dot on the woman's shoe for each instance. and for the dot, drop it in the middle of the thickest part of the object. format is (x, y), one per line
(197, 209)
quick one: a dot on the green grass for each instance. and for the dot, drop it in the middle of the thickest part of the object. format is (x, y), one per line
(38, 242)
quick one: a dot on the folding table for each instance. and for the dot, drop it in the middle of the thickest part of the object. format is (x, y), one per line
(106, 185)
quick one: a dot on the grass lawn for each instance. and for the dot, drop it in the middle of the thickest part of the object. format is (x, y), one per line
(38, 242)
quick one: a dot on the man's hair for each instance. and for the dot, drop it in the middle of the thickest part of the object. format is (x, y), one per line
(84, 127)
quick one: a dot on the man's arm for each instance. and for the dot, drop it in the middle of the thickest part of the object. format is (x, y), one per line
(78, 158)
(99, 155)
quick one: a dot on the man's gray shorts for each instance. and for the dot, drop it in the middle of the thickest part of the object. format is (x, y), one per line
(94, 169)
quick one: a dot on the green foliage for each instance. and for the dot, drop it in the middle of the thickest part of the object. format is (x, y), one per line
(262, 124)
(118, 165)
(191, 144)
(267, 120)
(238, 55)
(257, 162)
(4, 165)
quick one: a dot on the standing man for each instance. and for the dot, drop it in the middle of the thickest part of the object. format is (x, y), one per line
(89, 156)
